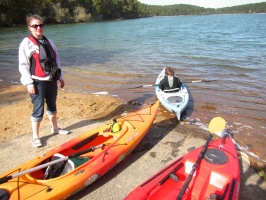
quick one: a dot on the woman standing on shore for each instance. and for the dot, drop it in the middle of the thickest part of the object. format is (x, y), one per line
(40, 69)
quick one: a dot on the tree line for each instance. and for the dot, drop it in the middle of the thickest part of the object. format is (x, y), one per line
(13, 12)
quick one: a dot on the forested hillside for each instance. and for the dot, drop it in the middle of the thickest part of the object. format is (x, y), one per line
(13, 12)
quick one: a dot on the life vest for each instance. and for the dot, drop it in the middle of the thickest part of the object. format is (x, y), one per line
(43, 60)
(176, 83)
(115, 127)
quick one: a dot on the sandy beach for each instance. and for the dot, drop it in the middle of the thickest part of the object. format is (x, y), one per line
(79, 112)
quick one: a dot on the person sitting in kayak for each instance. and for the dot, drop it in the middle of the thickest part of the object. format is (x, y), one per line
(170, 81)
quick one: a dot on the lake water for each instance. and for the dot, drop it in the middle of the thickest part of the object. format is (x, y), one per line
(111, 57)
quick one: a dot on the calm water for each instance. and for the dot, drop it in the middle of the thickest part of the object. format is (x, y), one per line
(114, 56)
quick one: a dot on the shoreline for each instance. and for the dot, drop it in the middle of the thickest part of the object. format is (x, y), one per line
(75, 105)
(79, 112)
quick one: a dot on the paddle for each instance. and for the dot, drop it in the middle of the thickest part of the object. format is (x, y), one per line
(216, 124)
(7, 178)
(199, 81)
(195, 81)
(143, 86)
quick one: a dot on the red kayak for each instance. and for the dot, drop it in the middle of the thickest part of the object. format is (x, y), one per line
(211, 172)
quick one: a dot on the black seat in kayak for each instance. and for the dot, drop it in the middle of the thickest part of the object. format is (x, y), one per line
(63, 167)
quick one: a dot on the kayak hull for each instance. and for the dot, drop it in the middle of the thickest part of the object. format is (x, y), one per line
(218, 174)
(34, 185)
(175, 102)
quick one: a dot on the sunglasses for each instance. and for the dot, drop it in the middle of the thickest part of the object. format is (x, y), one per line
(35, 26)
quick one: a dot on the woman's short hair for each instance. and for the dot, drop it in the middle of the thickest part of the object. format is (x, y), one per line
(30, 17)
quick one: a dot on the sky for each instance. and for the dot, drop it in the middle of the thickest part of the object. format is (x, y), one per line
(202, 3)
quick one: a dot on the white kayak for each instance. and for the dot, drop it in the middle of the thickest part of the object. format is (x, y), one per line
(175, 100)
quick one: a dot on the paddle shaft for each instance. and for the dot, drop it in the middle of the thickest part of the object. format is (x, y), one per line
(195, 81)
(6, 178)
(144, 86)
(194, 168)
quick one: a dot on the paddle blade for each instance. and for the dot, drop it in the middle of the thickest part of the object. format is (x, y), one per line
(208, 80)
(217, 124)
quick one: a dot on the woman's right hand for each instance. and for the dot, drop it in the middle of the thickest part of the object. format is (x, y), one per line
(31, 89)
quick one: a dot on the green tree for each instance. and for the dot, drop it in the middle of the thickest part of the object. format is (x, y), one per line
(62, 14)
(80, 15)
(65, 11)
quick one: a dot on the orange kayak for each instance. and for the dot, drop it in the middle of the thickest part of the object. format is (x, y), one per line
(70, 167)
(216, 176)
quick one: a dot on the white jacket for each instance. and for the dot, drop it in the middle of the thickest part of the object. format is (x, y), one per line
(26, 49)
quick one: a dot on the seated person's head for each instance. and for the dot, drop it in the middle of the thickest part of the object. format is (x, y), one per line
(169, 71)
